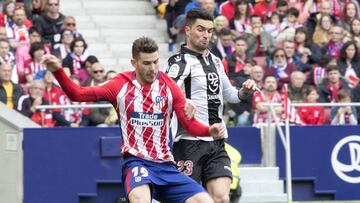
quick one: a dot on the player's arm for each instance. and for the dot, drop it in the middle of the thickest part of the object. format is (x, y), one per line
(193, 126)
(231, 94)
(71, 89)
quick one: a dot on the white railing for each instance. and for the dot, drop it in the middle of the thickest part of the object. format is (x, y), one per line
(285, 139)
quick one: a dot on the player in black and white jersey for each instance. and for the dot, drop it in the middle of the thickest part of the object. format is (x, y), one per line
(201, 76)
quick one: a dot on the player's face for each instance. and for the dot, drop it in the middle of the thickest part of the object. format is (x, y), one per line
(146, 67)
(199, 34)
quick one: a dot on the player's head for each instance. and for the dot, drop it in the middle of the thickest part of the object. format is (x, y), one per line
(199, 28)
(145, 59)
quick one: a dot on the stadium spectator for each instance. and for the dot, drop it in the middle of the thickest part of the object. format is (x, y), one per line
(280, 68)
(282, 9)
(70, 24)
(240, 23)
(288, 26)
(314, 18)
(3, 33)
(34, 70)
(6, 56)
(335, 44)
(272, 25)
(6, 17)
(145, 60)
(50, 22)
(10, 92)
(311, 115)
(195, 4)
(322, 35)
(174, 9)
(22, 55)
(110, 74)
(260, 43)
(210, 7)
(220, 23)
(296, 88)
(350, 12)
(18, 33)
(75, 61)
(257, 74)
(63, 49)
(355, 31)
(235, 62)
(223, 46)
(97, 75)
(264, 9)
(305, 47)
(36, 8)
(269, 94)
(227, 9)
(349, 63)
(332, 84)
(345, 115)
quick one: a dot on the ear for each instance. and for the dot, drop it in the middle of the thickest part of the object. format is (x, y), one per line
(134, 63)
(187, 30)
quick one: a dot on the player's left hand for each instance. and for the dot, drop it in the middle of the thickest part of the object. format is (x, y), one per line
(190, 109)
(249, 86)
(217, 131)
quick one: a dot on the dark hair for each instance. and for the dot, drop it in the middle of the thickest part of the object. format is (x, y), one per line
(267, 76)
(62, 33)
(325, 60)
(311, 88)
(343, 51)
(275, 51)
(225, 32)
(91, 59)
(35, 47)
(250, 61)
(237, 14)
(351, 27)
(345, 17)
(195, 14)
(293, 11)
(238, 38)
(308, 39)
(109, 72)
(332, 67)
(143, 45)
(281, 3)
(343, 93)
(254, 16)
(34, 29)
(77, 39)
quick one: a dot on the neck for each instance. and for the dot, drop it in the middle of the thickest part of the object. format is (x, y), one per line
(52, 15)
(192, 48)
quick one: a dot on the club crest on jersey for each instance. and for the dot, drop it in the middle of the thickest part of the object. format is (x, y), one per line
(173, 71)
(160, 101)
(213, 82)
(217, 62)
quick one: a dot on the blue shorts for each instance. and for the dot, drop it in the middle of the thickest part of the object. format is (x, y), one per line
(166, 182)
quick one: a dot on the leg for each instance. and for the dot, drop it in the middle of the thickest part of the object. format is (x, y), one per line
(219, 189)
(200, 198)
(140, 194)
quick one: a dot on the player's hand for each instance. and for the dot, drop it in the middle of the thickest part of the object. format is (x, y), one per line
(190, 109)
(248, 87)
(217, 131)
(52, 62)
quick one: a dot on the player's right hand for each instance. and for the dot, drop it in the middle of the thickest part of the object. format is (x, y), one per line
(217, 131)
(52, 62)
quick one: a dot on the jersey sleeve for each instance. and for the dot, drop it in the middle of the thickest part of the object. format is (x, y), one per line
(86, 94)
(192, 126)
(177, 69)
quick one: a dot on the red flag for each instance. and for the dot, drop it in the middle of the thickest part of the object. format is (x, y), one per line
(289, 110)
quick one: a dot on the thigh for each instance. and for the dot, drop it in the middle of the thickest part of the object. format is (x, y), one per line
(188, 155)
(135, 174)
(140, 194)
(218, 163)
(178, 188)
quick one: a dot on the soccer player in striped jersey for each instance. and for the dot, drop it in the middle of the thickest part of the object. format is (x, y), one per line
(145, 100)
(201, 76)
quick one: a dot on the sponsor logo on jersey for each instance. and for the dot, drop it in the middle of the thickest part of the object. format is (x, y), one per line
(173, 71)
(213, 79)
(147, 119)
(345, 159)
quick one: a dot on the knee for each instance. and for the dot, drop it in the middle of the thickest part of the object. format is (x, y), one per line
(221, 198)
(138, 198)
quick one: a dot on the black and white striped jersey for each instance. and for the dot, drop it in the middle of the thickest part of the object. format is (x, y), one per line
(204, 81)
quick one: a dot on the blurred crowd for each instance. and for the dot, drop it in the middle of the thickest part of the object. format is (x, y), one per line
(30, 29)
(304, 50)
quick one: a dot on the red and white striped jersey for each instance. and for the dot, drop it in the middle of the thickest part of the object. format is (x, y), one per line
(144, 111)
